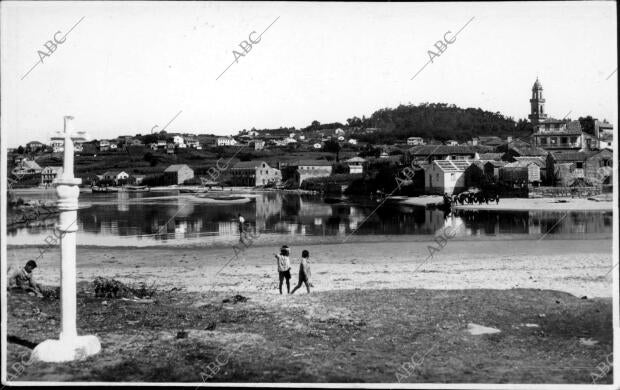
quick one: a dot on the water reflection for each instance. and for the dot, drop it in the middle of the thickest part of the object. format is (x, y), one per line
(167, 216)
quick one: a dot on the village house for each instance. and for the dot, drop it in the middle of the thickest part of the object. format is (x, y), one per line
(491, 169)
(415, 141)
(192, 142)
(34, 146)
(170, 148)
(305, 169)
(115, 177)
(57, 143)
(520, 173)
(225, 141)
(254, 174)
(178, 140)
(161, 144)
(429, 153)
(178, 174)
(521, 150)
(259, 144)
(137, 179)
(356, 164)
(103, 145)
(577, 165)
(540, 161)
(49, 173)
(445, 176)
(604, 133)
(27, 167)
(352, 141)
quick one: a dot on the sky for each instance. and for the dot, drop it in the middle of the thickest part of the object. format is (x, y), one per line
(129, 66)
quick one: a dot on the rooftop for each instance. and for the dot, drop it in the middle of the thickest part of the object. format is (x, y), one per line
(175, 167)
(452, 165)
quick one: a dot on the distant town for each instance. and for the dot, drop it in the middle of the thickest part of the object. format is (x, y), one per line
(542, 156)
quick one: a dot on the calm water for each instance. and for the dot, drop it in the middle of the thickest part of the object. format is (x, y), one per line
(168, 218)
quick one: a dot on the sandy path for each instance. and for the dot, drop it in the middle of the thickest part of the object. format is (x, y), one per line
(579, 267)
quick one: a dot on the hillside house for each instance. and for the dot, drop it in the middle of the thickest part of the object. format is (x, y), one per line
(225, 141)
(27, 167)
(356, 164)
(415, 141)
(49, 173)
(178, 174)
(304, 169)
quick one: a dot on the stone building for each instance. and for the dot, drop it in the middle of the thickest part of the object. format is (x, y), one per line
(254, 174)
(178, 174)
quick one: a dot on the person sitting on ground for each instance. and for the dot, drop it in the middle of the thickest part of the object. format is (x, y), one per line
(284, 268)
(304, 271)
(22, 279)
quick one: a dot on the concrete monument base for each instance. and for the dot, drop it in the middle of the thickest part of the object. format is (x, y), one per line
(65, 350)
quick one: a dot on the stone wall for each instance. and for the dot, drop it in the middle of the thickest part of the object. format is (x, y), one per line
(568, 192)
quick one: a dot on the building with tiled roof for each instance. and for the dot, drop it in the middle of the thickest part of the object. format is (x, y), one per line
(254, 174)
(445, 176)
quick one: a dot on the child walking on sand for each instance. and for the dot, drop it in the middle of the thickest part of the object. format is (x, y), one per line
(284, 268)
(304, 271)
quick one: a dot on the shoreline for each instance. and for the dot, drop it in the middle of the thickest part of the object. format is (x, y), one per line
(520, 204)
(579, 267)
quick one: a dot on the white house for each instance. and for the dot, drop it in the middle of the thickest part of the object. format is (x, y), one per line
(445, 176)
(339, 131)
(415, 141)
(317, 146)
(356, 164)
(352, 141)
(341, 138)
(113, 146)
(452, 142)
(259, 144)
(178, 140)
(225, 141)
(48, 174)
(104, 145)
(115, 176)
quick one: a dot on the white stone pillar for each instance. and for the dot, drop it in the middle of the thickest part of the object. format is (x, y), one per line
(69, 346)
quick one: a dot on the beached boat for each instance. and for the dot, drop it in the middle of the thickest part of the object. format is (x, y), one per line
(104, 189)
(193, 190)
(224, 199)
(131, 188)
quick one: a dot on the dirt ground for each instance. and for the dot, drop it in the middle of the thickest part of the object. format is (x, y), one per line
(330, 336)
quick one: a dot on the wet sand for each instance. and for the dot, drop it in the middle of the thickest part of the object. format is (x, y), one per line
(579, 267)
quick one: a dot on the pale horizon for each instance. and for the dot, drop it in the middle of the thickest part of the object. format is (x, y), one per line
(127, 67)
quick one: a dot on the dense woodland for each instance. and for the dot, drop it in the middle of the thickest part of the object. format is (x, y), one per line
(438, 121)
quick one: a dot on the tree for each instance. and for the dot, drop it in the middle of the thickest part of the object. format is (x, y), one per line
(332, 146)
(587, 124)
(20, 150)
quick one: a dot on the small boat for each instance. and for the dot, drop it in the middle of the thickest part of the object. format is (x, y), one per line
(224, 199)
(132, 188)
(104, 189)
(193, 190)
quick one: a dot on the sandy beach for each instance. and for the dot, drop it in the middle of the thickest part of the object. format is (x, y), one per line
(578, 267)
(521, 204)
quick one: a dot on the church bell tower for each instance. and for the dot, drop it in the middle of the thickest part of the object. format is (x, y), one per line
(537, 104)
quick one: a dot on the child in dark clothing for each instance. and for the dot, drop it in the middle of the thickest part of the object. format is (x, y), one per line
(304, 271)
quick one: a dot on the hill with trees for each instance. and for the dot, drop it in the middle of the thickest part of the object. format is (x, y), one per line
(439, 121)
